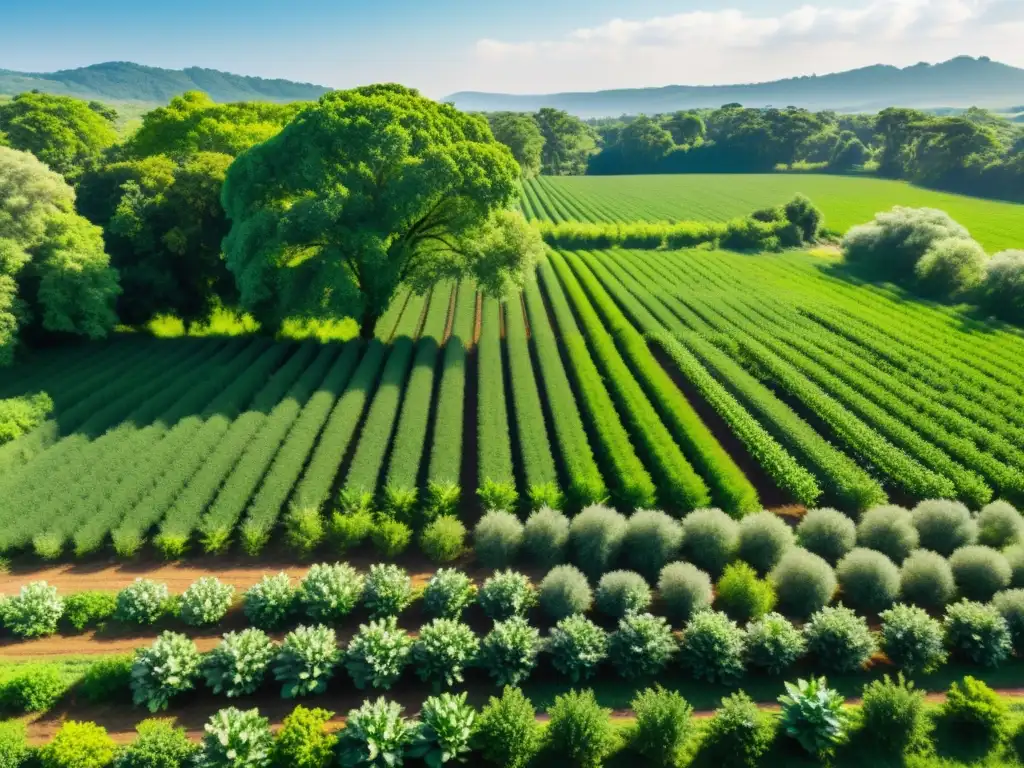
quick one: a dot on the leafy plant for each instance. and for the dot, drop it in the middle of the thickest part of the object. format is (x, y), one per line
(926, 580)
(304, 529)
(448, 593)
(509, 651)
(167, 668)
(812, 713)
(34, 611)
(710, 539)
(580, 730)
(620, 592)
(975, 711)
(348, 530)
(641, 646)
(1010, 604)
(738, 734)
(497, 539)
(270, 602)
(912, 639)
(828, 533)
(78, 745)
(546, 536)
(577, 647)
(565, 591)
(596, 536)
(157, 745)
(507, 732)
(443, 649)
(236, 739)
(109, 678)
(378, 653)
(712, 647)
(445, 730)
(391, 537)
(742, 595)
(839, 639)
(33, 688)
(663, 725)
(206, 601)
(330, 592)
(142, 602)
(376, 735)
(14, 751)
(978, 633)
(774, 644)
(387, 590)
(89, 609)
(303, 742)
(443, 539)
(684, 590)
(239, 664)
(306, 661)
(892, 714)
(507, 594)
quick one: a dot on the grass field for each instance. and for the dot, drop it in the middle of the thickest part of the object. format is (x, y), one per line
(845, 200)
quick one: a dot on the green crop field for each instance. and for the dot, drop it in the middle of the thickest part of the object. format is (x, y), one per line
(845, 200)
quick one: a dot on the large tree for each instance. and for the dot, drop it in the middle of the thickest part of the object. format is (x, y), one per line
(686, 128)
(54, 273)
(366, 190)
(568, 142)
(521, 134)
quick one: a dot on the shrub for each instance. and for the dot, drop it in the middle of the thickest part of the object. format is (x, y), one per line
(497, 539)
(387, 590)
(89, 609)
(807, 218)
(330, 592)
(206, 601)
(641, 646)
(974, 711)
(892, 715)
(1001, 292)
(34, 611)
(595, 536)
(378, 653)
(167, 668)
(712, 647)
(944, 526)
(839, 639)
(620, 592)
(1010, 604)
(304, 529)
(34, 688)
(890, 530)
(927, 580)
(580, 730)
(742, 595)
(306, 661)
(774, 644)
(978, 633)
(390, 537)
(78, 745)
(979, 572)
(445, 729)
(376, 734)
(739, 733)
(684, 590)
(895, 241)
(653, 540)
(828, 533)
(565, 591)
(443, 539)
(270, 602)
(577, 647)
(813, 714)
(158, 745)
(507, 731)
(14, 750)
(951, 267)
(912, 639)
(107, 679)
(1015, 557)
(443, 649)
(804, 583)
(868, 580)
(663, 726)
(507, 594)
(509, 651)
(1000, 526)
(239, 664)
(142, 602)
(349, 530)
(303, 742)
(448, 593)
(236, 739)
(710, 539)
(546, 536)
(764, 538)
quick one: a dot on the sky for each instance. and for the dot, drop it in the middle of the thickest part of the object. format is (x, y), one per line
(524, 46)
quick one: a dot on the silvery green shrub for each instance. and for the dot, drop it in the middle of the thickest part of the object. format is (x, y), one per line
(387, 590)
(839, 640)
(509, 651)
(507, 594)
(34, 611)
(641, 646)
(448, 593)
(620, 592)
(236, 739)
(978, 633)
(378, 653)
(652, 541)
(206, 601)
(912, 639)
(270, 602)
(774, 644)
(330, 591)
(142, 602)
(443, 650)
(168, 667)
(446, 727)
(564, 591)
(306, 661)
(577, 647)
(238, 665)
(712, 647)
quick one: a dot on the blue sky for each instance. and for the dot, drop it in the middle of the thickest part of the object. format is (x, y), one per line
(442, 46)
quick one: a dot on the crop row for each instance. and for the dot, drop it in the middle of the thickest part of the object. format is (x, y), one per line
(497, 487)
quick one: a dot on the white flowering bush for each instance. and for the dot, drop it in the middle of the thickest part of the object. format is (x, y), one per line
(387, 590)
(577, 647)
(206, 602)
(34, 611)
(238, 665)
(448, 593)
(167, 668)
(306, 661)
(236, 739)
(330, 592)
(270, 602)
(442, 651)
(143, 601)
(509, 651)
(378, 654)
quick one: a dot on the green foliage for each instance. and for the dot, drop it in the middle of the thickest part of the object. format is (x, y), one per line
(167, 668)
(34, 611)
(443, 649)
(712, 647)
(206, 601)
(912, 639)
(773, 643)
(828, 533)
(579, 730)
(306, 661)
(236, 739)
(448, 593)
(507, 732)
(564, 591)
(653, 539)
(869, 580)
(14, 750)
(34, 688)
(951, 267)
(303, 742)
(641, 646)
(142, 602)
(620, 592)
(1001, 292)
(378, 654)
(521, 134)
(890, 530)
(497, 538)
(1000, 526)
(808, 219)
(109, 678)
(387, 590)
(738, 734)
(304, 529)
(977, 633)
(391, 537)
(89, 609)
(347, 530)
(443, 539)
(804, 583)
(684, 590)
(742, 595)
(979, 572)
(892, 715)
(975, 711)
(577, 647)
(445, 730)
(546, 536)
(710, 539)
(330, 591)
(78, 745)
(375, 735)
(663, 726)
(1010, 604)
(239, 664)
(19, 415)
(943, 526)
(509, 651)
(507, 594)
(158, 745)
(269, 603)
(839, 640)
(813, 714)
(764, 538)
(927, 580)
(596, 536)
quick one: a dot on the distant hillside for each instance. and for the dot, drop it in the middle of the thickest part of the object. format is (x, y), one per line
(960, 82)
(124, 81)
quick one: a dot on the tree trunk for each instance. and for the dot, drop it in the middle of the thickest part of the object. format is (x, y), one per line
(368, 324)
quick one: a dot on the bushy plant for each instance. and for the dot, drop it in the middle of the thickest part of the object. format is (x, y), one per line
(304, 529)
(239, 664)
(375, 735)
(142, 602)
(167, 668)
(927, 580)
(507, 594)
(978, 633)
(895, 241)
(773, 643)
(34, 611)
(684, 590)
(497, 539)
(974, 712)
(107, 679)
(306, 661)
(596, 536)
(813, 714)
(839, 640)
(14, 749)
(444, 648)
(387, 590)
(447, 593)
(979, 572)
(1001, 292)
(390, 537)
(88, 609)
(912, 639)
(868, 580)
(742, 595)
(641, 646)
(270, 603)
(580, 731)
(828, 533)
(33, 688)
(330, 591)
(620, 592)
(653, 540)
(890, 530)
(804, 583)
(764, 538)
(347, 531)
(443, 539)
(236, 739)
(507, 732)
(78, 745)
(739, 733)
(1010, 604)
(710, 539)
(546, 537)
(663, 726)
(509, 651)
(158, 745)
(892, 715)
(951, 267)
(712, 647)
(1000, 526)
(1015, 557)
(944, 525)
(445, 730)
(565, 591)
(378, 654)
(807, 217)
(206, 601)
(577, 647)
(303, 742)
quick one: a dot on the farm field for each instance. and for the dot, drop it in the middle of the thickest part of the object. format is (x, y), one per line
(845, 200)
